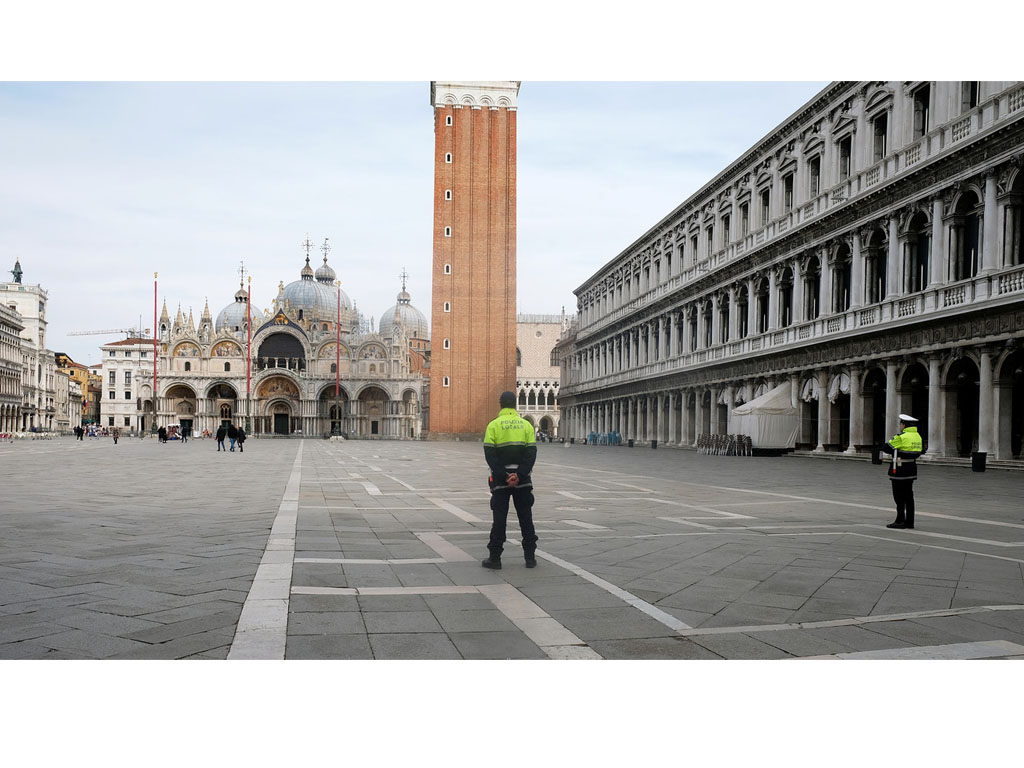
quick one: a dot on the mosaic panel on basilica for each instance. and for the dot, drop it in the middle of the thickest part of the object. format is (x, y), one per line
(863, 260)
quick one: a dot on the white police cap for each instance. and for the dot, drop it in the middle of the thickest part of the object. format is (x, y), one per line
(907, 419)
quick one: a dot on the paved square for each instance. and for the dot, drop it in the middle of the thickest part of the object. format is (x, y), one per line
(310, 549)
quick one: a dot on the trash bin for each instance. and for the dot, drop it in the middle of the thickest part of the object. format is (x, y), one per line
(654, 443)
(630, 443)
(978, 461)
(876, 454)
(572, 441)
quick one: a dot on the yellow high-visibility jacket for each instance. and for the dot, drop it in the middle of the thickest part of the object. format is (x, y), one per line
(905, 447)
(510, 445)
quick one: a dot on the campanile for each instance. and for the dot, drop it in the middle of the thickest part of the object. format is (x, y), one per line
(473, 306)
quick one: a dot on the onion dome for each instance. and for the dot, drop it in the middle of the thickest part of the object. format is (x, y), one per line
(317, 299)
(235, 315)
(325, 274)
(414, 321)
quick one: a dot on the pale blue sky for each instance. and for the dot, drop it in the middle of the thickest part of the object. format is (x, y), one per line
(105, 183)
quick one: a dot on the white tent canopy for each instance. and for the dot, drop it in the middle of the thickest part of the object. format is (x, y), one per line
(770, 420)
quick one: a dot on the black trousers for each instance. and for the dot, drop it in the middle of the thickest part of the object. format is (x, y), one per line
(903, 495)
(523, 500)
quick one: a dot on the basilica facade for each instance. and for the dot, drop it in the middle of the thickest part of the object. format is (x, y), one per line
(866, 255)
(308, 365)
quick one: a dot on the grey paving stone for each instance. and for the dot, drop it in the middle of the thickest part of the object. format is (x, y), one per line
(735, 645)
(610, 623)
(474, 621)
(379, 603)
(328, 647)
(303, 603)
(653, 648)
(187, 627)
(326, 623)
(413, 646)
(495, 645)
(87, 644)
(391, 622)
(800, 643)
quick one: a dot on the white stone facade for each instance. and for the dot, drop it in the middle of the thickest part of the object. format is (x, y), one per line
(10, 370)
(38, 368)
(868, 251)
(537, 374)
(300, 381)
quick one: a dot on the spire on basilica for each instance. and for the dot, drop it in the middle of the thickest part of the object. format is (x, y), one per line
(191, 322)
(206, 318)
(178, 319)
(164, 317)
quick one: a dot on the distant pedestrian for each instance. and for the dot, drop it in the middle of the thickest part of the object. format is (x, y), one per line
(232, 435)
(905, 448)
(115, 434)
(510, 448)
(241, 439)
(222, 432)
(185, 430)
(162, 434)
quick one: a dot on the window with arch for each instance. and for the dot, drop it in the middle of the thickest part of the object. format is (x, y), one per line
(522, 399)
(225, 411)
(845, 146)
(447, 344)
(880, 136)
(447, 306)
(447, 194)
(227, 367)
(447, 269)
(447, 119)
(447, 157)
(334, 367)
(519, 357)
(373, 367)
(445, 382)
(447, 231)
(188, 366)
(300, 314)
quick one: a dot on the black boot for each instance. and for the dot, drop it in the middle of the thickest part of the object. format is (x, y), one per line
(493, 562)
(897, 524)
(531, 560)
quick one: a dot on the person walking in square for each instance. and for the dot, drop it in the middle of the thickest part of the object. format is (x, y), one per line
(510, 449)
(232, 435)
(222, 432)
(162, 434)
(185, 431)
(904, 447)
(115, 434)
(241, 439)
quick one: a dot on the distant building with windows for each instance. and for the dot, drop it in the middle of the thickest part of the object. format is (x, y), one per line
(38, 408)
(865, 255)
(537, 372)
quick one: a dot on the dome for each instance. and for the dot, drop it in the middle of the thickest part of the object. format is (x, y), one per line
(318, 299)
(325, 274)
(234, 314)
(415, 322)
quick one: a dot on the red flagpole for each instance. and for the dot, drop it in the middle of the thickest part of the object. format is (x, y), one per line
(156, 335)
(248, 354)
(337, 348)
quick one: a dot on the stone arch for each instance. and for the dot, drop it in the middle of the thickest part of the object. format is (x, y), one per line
(912, 384)
(222, 390)
(1009, 382)
(961, 383)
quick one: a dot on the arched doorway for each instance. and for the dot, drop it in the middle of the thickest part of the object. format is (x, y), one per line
(874, 406)
(334, 411)
(373, 408)
(277, 402)
(913, 393)
(181, 401)
(223, 405)
(839, 411)
(1011, 406)
(807, 438)
(965, 237)
(962, 382)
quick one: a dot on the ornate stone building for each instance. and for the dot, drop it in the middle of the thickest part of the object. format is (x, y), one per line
(537, 371)
(301, 380)
(10, 369)
(867, 252)
(38, 368)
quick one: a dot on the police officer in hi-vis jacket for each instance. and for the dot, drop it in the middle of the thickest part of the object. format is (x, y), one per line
(905, 448)
(510, 449)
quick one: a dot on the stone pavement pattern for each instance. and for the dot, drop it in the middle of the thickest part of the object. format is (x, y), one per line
(308, 549)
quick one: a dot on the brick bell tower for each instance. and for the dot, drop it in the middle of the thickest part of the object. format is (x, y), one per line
(473, 306)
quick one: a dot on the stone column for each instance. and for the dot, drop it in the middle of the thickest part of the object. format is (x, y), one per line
(649, 422)
(698, 412)
(716, 321)
(733, 319)
(856, 273)
(752, 328)
(684, 418)
(713, 412)
(936, 274)
(672, 400)
(892, 278)
(989, 246)
(730, 397)
(936, 418)
(985, 391)
(773, 300)
(824, 422)
(662, 339)
(827, 301)
(673, 330)
(892, 413)
(856, 410)
(799, 311)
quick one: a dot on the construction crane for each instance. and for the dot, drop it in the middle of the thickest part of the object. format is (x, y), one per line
(130, 332)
